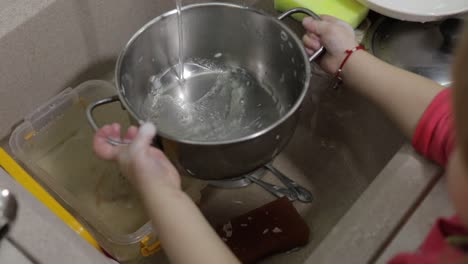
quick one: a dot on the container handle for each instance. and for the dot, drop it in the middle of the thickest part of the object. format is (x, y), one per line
(311, 14)
(147, 249)
(92, 121)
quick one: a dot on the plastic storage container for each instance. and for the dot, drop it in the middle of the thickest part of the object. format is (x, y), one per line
(55, 143)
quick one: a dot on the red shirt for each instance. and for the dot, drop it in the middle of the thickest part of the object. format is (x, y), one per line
(434, 138)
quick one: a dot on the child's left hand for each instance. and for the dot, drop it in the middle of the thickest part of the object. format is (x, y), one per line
(144, 165)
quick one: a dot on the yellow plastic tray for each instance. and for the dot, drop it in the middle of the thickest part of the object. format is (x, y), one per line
(23, 178)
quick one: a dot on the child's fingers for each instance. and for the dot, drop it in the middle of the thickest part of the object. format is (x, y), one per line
(313, 36)
(313, 26)
(115, 132)
(318, 27)
(311, 42)
(102, 148)
(104, 131)
(309, 24)
(144, 138)
(131, 134)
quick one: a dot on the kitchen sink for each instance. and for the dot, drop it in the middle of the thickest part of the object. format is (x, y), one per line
(340, 146)
(364, 176)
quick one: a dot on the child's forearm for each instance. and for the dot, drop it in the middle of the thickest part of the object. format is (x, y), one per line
(185, 234)
(404, 96)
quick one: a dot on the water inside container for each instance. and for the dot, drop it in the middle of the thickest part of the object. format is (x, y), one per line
(215, 103)
(63, 150)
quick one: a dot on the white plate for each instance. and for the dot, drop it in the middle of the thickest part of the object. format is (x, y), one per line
(418, 10)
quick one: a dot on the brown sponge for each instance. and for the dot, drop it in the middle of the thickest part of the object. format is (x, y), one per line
(273, 228)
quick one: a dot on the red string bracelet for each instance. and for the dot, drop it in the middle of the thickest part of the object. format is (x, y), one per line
(348, 54)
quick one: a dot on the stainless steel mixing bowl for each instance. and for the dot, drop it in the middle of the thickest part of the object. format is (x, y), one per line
(229, 36)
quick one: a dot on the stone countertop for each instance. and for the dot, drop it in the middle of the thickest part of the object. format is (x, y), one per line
(413, 232)
(364, 231)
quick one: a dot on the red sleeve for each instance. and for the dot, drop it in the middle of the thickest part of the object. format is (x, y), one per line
(436, 247)
(434, 135)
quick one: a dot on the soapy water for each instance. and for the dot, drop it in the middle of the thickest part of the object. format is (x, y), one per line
(212, 104)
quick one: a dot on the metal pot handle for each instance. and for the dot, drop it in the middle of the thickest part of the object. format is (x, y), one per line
(311, 14)
(92, 122)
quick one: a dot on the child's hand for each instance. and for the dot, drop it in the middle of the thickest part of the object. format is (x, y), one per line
(335, 35)
(143, 164)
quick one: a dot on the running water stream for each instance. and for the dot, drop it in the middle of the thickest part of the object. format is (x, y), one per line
(181, 41)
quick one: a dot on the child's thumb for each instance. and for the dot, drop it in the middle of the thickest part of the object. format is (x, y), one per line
(310, 24)
(318, 27)
(144, 137)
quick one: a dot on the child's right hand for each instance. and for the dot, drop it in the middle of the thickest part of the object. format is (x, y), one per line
(335, 35)
(144, 165)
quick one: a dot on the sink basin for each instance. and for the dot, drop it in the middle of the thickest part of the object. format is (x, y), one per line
(341, 144)
(364, 177)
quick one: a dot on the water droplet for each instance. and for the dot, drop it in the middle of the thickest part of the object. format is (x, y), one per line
(284, 36)
(295, 73)
(242, 101)
(259, 105)
(218, 55)
(293, 60)
(278, 137)
(290, 44)
(140, 59)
